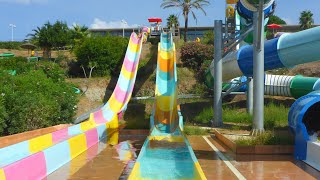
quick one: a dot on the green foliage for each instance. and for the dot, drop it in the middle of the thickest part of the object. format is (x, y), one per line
(52, 70)
(172, 20)
(306, 20)
(10, 45)
(273, 19)
(107, 52)
(51, 36)
(16, 63)
(186, 6)
(205, 116)
(208, 37)
(36, 97)
(257, 1)
(276, 116)
(3, 115)
(193, 130)
(78, 33)
(235, 115)
(193, 54)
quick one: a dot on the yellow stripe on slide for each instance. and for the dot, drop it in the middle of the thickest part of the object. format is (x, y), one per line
(165, 55)
(165, 103)
(2, 175)
(128, 75)
(114, 104)
(87, 125)
(40, 143)
(77, 145)
(167, 138)
(200, 174)
(134, 47)
(135, 173)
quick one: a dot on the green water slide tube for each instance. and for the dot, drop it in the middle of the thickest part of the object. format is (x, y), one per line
(301, 85)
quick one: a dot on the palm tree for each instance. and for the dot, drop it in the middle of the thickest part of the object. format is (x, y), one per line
(306, 19)
(41, 37)
(78, 33)
(186, 6)
(51, 36)
(172, 20)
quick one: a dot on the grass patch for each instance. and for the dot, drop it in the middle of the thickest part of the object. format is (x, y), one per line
(193, 130)
(236, 116)
(276, 116)
(205, 116)
(268, 138)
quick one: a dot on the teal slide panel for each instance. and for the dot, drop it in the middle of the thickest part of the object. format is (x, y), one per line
(299, 48)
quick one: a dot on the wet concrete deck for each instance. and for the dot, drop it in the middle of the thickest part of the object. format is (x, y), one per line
(104, 165)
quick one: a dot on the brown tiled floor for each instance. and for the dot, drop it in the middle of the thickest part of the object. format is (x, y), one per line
(268, 166)
(104, 165)
(211, 165)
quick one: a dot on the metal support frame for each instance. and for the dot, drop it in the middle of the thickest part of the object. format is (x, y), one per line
(217, 100)
(237, 41)
(236, 88)
(258, 71)
(249, 94)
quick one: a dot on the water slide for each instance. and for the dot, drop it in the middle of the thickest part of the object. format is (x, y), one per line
(278, 85)
(286, 51)
(38, 157)
(166, 154)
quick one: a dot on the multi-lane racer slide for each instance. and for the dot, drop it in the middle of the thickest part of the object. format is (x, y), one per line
(166, 154)
(38, 157)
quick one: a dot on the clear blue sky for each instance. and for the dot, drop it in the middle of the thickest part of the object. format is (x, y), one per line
(28, 14)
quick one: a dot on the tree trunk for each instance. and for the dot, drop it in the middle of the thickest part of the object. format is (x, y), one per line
(46, 53)
(185, 26)
(91, 69)
(84, 72)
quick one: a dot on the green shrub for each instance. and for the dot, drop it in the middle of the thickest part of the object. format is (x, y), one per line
(3, 114)
(36, 97)
(208, 37)
(193, 54)
(20, 64)
(52, 70)
(16, 63)
(10, 45)
(106, 53)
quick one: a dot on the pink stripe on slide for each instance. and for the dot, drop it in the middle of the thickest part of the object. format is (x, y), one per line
(60, 135)
(129, 64)
(32, 167)
(98, 117)
(120, 95)
(91, 137)
(134, 38)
